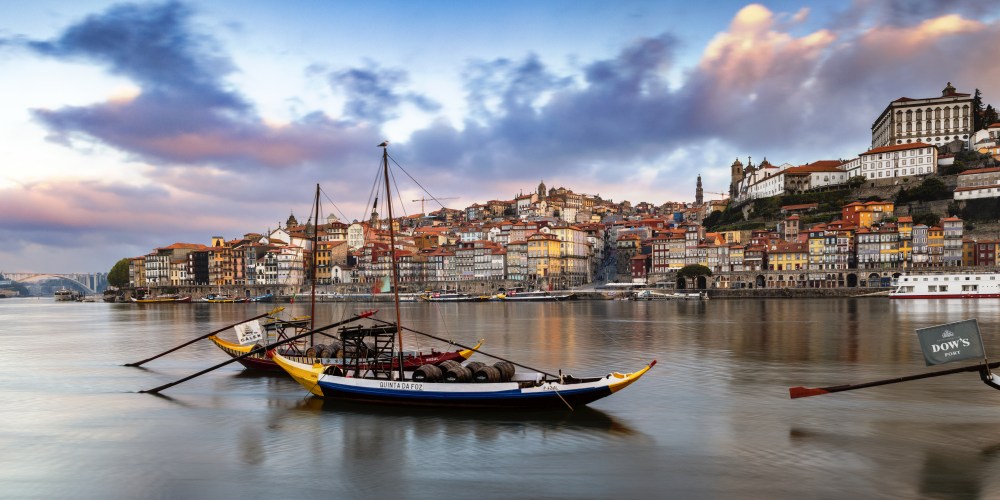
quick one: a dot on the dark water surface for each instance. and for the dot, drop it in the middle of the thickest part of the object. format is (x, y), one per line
(711, 420)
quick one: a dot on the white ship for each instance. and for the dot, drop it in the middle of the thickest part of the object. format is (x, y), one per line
(947, 286)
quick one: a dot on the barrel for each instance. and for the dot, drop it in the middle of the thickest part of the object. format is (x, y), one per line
(486, 374)
(457, 374)
(474, 365)
(325, 352)
(317, 350)
(506, 370)
(427, 373)
(448, 363)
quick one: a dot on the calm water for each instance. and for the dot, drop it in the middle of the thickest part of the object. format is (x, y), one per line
(711, 420)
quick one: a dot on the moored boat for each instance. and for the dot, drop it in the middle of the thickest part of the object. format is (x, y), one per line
(366, 378)
(535, 296)
(66, 295)
(163, 299)
(946, 286)
(452, 297)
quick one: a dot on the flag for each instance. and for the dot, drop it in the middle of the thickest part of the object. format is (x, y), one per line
(249, 332)
(951, 342)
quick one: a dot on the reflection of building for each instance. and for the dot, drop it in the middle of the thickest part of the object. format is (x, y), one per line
(933, 120)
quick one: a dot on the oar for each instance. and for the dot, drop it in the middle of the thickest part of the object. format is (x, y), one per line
(207, 335)
(266, 348)
(456, 344)
(803, 392)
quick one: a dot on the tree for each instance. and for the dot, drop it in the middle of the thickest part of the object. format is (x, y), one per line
(928, 219)
(693, 270)
(856, 182)
(118, 275)
(712, 220)
(990, 116)
(977, 112)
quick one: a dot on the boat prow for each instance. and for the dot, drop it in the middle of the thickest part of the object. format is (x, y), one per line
(305, 374)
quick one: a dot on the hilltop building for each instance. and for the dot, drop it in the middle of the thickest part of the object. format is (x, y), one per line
(932, 120)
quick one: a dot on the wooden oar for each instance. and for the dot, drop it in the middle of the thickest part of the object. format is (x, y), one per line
(266, 348)
(803, 392)
(456, 344)
(207, 335)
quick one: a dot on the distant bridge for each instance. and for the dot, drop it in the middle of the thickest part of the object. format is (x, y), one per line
(85, 282)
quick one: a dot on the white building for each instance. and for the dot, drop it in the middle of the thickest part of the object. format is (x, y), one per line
(902, 160)
(933, 120)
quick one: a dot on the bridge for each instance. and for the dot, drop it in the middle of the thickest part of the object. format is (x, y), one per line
(84, 282)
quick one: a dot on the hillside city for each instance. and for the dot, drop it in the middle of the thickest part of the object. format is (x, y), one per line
(923, 196)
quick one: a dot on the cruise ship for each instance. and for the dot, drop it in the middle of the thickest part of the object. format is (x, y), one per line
(947, 286)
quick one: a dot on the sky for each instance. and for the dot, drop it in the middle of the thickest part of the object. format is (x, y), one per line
(130, 126)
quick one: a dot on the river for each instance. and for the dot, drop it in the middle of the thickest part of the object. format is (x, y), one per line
(711, 420)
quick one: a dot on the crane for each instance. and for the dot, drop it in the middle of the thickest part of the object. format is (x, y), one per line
(422, 200)
(724, 195)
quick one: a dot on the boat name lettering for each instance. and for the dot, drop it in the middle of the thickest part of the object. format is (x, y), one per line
(408, 386)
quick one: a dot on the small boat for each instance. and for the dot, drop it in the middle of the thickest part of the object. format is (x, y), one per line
(267, 297)
(536, 296)
(452, 297)
(66, 295)
(653, 295)
(368, 379)
(946, 286)
(326, 354)
(163, 299)
(223, 299)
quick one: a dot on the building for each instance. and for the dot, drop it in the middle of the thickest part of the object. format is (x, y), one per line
(895, 161)
(933, 120)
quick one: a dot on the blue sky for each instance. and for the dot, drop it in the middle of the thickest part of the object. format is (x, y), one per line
(131, 126)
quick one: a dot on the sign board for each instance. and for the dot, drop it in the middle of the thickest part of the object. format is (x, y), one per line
(249, 332)
(951, 342)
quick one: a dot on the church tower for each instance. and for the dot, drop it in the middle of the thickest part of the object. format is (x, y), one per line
(699, 193)
(291, 222)
(737, 175)
(542, 193)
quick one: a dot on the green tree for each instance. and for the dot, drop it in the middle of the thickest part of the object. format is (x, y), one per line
(693, 270)
(977, 112)
(928, 219)
(856, 182)
(990, 116)
(118, 275)
(712, 220)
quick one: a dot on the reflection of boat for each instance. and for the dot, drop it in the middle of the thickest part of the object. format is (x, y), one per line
(448, 385)
(946, 286)
(163, 299)
(66, 295)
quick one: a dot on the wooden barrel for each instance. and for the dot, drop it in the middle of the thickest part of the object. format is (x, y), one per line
(448, 363)
(427, 373)
(486, 374)
(317, 350)
(457, 374)
(474, 365)
(506, 370)
(325, 352)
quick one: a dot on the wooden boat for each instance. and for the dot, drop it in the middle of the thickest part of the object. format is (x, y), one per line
(224, 299)
(265, 361)
(443, 385)
(163, 299)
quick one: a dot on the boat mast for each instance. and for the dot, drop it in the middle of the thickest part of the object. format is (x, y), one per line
(312, 264)
(392, 253)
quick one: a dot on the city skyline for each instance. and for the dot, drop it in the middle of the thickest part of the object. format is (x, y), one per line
(132, 126)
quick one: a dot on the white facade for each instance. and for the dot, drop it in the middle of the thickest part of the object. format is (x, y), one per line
(935, 120)
(899, 161)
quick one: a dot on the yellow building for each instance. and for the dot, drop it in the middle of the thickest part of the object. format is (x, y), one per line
(787, 257)
(544, 256)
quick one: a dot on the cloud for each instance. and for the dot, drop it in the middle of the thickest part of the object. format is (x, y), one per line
(372, 95)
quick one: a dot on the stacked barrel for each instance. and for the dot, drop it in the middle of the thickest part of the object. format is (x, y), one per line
(454, 372)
